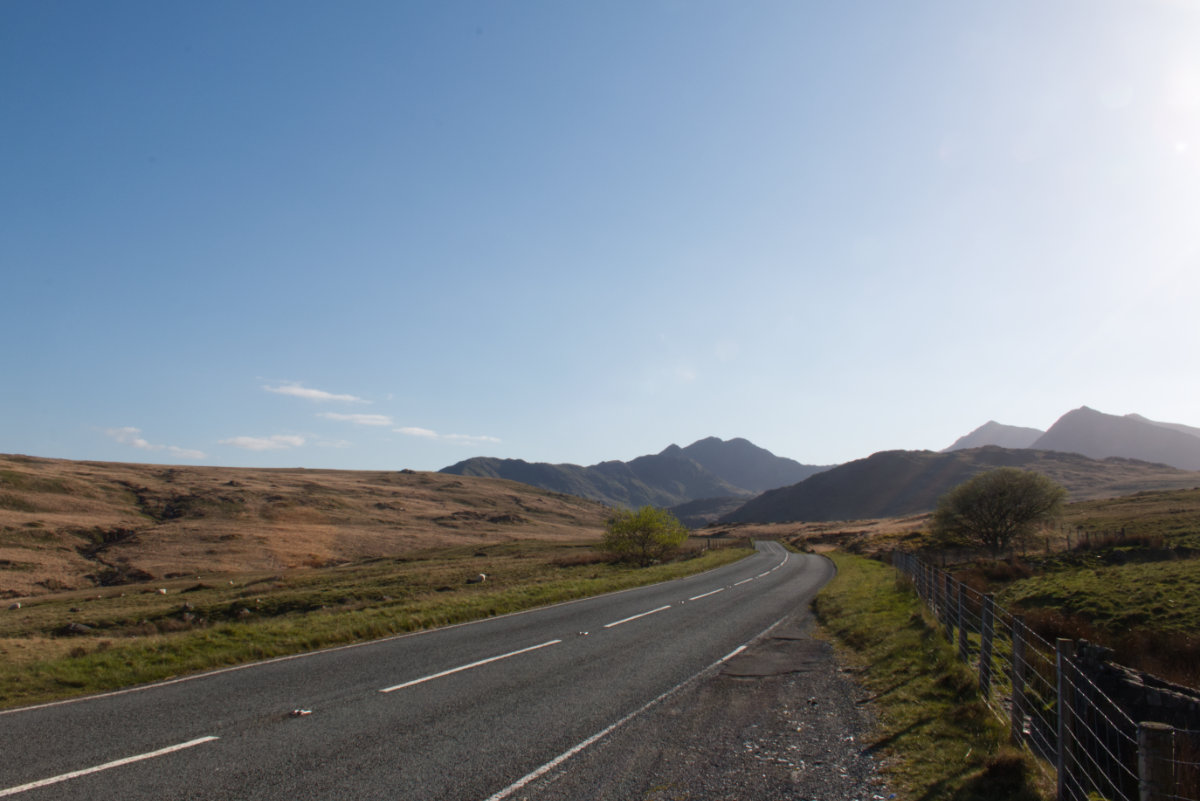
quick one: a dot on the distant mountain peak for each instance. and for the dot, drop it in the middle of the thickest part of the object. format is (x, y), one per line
(708, 468)
(999, 434)
(1099, 435)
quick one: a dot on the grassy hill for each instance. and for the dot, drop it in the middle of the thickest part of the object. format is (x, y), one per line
(71, 525)
(899, 483)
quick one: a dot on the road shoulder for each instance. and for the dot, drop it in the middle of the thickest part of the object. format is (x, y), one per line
(777, 721)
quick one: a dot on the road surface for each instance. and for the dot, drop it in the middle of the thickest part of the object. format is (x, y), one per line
(477, 711)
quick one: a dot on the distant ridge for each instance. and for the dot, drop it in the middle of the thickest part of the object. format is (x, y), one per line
(896, 483)
(993, 433)
(743, 464)
(708, 468)
(1179, 427)
(1099, 435)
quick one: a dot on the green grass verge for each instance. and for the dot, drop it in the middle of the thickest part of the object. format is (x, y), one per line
(136, 635)
(938, 739)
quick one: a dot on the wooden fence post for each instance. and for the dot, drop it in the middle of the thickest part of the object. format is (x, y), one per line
(1064, 654)
(964, 645)
(1156, 755)
(1019, 672)
(987, 631)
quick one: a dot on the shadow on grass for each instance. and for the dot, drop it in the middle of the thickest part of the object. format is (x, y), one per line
(1005, 777)
(871, 698)
(886, 742)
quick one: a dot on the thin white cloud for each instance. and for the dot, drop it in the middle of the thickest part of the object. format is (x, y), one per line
(274, 443)
(129, 435)
(413, 431)
(319, 395)
(461, 439)
(358, 419)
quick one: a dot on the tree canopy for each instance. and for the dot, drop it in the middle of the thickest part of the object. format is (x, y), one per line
(644, 536)
(998, 508)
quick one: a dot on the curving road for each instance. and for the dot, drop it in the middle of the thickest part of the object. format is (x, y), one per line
(477, 711)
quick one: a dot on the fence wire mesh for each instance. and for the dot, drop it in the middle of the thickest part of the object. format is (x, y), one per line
(1053, 708)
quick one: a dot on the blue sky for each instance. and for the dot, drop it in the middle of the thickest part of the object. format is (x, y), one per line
(399, 234)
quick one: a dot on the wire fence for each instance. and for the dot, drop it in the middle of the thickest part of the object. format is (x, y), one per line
(1045, 692)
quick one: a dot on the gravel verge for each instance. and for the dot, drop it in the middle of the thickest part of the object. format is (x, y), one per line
(778, 721)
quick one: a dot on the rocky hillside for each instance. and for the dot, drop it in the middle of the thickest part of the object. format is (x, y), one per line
(743, 464)
(708, 468)
(1099, 435)
(66, 525)
(895, 483)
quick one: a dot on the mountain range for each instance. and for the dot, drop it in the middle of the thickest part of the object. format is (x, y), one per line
(708, 468)
(1098, 435)
(1091, 453)
(898, 483)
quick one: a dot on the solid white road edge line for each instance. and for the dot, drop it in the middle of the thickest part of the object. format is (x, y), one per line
(732, 654)
(115, 764)
(705, 595)
(635, 617)
(565, 755)
(461, 668)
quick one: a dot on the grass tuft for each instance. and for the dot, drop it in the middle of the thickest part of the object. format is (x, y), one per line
(938, 739)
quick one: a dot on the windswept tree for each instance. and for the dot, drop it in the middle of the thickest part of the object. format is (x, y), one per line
(998, 508)
(644, 536)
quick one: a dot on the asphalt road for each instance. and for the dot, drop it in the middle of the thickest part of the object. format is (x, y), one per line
(477, 711)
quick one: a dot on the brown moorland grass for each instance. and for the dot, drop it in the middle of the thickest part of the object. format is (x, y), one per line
(872, 536)
(80, 525)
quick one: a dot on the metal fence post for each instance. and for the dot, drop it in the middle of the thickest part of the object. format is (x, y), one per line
(987, 631)
(1156, 754)
(948, 595)
(1064, 653)
(1019, 668)
(964, 646)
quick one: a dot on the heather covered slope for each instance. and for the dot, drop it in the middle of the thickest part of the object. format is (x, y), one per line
(897, 483)
(67, 524)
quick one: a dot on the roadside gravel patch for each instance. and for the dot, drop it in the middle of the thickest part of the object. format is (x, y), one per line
(777, 722)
